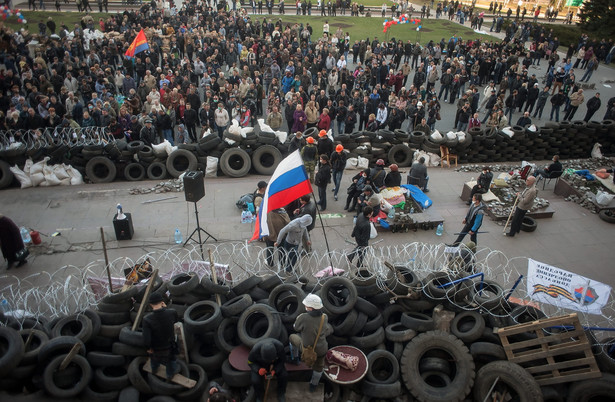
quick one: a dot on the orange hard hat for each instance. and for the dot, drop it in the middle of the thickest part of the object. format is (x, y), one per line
(339, 148)
(310, 140)
(322, 133)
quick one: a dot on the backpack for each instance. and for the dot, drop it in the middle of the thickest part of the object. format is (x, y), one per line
(243, 201)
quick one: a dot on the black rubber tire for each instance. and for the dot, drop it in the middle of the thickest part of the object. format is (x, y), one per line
(523, 314)
(366, 307)
(196, 373)
(235, 162)
(203, 316)
(291, 306)
(399, 333)
(160, 386)
(604, 356)
(368, 341)
(381, 391)
(490, 297)
(226, 336)
(598, 389)
(122, 349)
(138, 377)
(77, 325)
(12, 350)
(100, 169)
(38, 339)
(157, 171)
(78, 384)
(246, 285)
(115, 307)
(121, 297)
(383, 367)
(57, 346)
(180, 161)
(113, 331)
(210, 287)
(346, 290)
(417, 321)
(401, 155)
(373, 323)
(528, 224)
(114, 318)
(114, 378)
(130, 337)
(134, 172)
(440, 342)
(265, 159)
(129, 394)
(105, 359)
(236, 305)
(183, 283)
(235, 378)
(135, 146)
(206, 354)
(250, 316)
(468, 326)
(512, 377)
(6, 176)
(487, 352)
(607, 215)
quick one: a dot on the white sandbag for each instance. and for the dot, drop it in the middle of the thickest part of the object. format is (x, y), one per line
(207, 133)
(27, 166)
(532, 128)
(75, 176)
(234, 128)
(38, 166)
(451, 135)
(264, 126)
(508, 131)
(211, 170)
(461, 136)
(37, 179)
(23, 178)
(246, 130)
(60, 172)
(596, 151)
(282, 136)
(434, 160)
(65, 182)
(352, 163)
(160, 148)
(363, 163)
(50, 177)
(603, 198)
(436, 136)
(229, 141)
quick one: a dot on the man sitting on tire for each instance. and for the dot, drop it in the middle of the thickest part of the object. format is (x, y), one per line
(266, 360)
(418, 175)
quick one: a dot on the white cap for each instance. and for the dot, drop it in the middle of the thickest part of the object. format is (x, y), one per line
(419, 104)
(312, 301)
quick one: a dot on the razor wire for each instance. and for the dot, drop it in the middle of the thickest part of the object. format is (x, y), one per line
(15, 142)
(68, 291)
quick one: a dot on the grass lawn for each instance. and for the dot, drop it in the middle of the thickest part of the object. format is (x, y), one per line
(361, 28)
(34, 17)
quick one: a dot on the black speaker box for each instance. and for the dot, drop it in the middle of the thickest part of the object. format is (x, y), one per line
(194, 188)
(123, 228)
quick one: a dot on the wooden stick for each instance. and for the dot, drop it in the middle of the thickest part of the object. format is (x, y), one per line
(214, 275)
(104, 245)
(69, 357)
(511, 214)
(144, 301)
(30, 335)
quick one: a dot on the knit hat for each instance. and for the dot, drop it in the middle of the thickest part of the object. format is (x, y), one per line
(310, 140)
(155, 298)
(339, 148)
(380, 162)
(312, 301)
(322, 133)
(393, 168)
(268, 352)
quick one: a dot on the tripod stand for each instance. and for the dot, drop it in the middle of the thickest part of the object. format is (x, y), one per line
(198, 230)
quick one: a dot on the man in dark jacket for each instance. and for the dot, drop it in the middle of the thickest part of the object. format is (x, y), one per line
(393, 178)
(483, 184)
(191, 118)
(542, 101)
(206, 115)
(377, 175)
(159, 336)
(532, 96)
(361, 233)
(593, 104)
(338, 164)
(418, 175)
(148, 133)
(365, 110)
(555, 166)
(323, 178)
(557, 101)
(473, 220)
(266, 361)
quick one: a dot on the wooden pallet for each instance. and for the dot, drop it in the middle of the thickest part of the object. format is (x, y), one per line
(552, 358)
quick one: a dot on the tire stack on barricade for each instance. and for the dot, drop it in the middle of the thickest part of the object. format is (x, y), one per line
(399, 321)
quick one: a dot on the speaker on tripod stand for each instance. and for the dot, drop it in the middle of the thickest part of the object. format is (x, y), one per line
(194, 190)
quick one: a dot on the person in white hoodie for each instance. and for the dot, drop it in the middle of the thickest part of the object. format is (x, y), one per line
(291, 236)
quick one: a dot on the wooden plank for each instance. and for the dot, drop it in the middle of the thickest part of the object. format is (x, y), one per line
(178, 328)
(214, 275)
(559, 337)
(569, 378)
(104, 246)
(576, 363)
(69, 357)
(522, 358)
(145, 300)
(569, 319)
(162, 373)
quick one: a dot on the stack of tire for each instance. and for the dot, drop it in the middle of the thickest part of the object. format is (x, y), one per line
(392, 147)
(406, 350)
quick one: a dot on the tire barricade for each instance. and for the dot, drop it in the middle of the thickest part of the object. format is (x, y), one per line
(407, 351)
(102, 159)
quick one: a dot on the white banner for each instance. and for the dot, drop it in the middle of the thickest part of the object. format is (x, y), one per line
(552, 285)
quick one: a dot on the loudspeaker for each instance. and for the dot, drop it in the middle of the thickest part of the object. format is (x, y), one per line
(123, 228)
(194, 188)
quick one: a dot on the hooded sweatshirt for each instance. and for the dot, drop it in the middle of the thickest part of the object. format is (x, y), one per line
(295, 231)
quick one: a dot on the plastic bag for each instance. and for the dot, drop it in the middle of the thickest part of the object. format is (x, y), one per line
(373, 233)
(385, 205)
(596, 151)
(246, 216)
(212, 167)
(603, 198)
(436, 136)
(21, 176)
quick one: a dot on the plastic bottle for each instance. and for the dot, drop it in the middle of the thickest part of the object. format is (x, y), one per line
(411, 210)
(25, 235)
(178, 236)
(4, 306)
(440, 229)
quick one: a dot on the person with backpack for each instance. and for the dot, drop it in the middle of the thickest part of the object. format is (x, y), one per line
(309, 153)
(323, 178)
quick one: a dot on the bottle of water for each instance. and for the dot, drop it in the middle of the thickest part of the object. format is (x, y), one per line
(4, 306)
(440, 229)
(178, 236)
(411, 210)
(25, 235)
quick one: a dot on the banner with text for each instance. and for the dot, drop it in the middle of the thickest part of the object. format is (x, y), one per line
(552, 285)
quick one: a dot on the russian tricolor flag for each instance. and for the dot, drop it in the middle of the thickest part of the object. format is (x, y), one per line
(289, 182)
(138, 45)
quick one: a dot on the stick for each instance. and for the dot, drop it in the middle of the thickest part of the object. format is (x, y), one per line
(69, 357)
(145, 299)
(104, 244)
(324, 232)
(214, 275)
(511, 214)
(269, 377)
(30, 335)
(159, 199)
(465, 233)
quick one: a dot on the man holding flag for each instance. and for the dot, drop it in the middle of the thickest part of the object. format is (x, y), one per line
(137, 46)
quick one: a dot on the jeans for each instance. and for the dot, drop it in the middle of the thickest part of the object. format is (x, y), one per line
(220, 130)
(539, 110)
(588, 74)
(556, 110)
(322, 197)
(167, 133)
(571, 111)
(509, 113)
(466, 228)
(166, 357)
(462, 126)
(291, 255)
(337, 179)
(340, 127)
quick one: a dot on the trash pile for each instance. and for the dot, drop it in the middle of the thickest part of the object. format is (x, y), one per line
(425, 337)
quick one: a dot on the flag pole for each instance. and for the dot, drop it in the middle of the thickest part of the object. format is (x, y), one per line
(324, 232)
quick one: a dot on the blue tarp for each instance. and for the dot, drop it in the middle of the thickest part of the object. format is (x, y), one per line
(418, 195)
